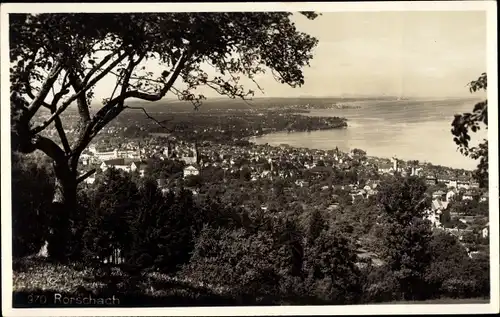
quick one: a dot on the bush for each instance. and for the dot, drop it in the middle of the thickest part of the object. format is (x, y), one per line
(112, 202)
(331, 271)
(380, 285)
(458, 287)
(235, 260)
(163, 229)
(31, 200)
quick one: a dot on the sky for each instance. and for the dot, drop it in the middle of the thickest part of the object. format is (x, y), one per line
(396, 53)
(408, 54)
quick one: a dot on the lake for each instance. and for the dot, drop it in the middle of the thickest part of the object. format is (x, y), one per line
(411, 130)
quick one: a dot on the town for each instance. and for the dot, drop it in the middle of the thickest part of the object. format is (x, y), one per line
(321, 176)
(248, 158)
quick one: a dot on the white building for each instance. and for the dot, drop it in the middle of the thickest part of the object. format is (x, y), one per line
(450, 195)
(484, 197)
(467, 196)
(124, 164)
(191, 170)
(434, 214)
(115, 163)
(138, 167)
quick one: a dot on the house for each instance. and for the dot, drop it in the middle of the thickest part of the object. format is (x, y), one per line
(105, 155)
(357, 195)
(191, 170)
(433, 218)
(443, 178)
(85, 159)
(435, 212)
(138, 166)
(450, 195)
(466, 219)
(467, 196)
(301, 183)
(431, 180)
(452, 183)
(333, 207)
(458, 232)
(439, 205)
(484, 197)
(463, 182)
(115, 163)
(438, 194)
(373, 183)
(318, 170)
(385, 168)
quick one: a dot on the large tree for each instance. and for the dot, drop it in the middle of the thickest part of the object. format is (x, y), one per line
(407, 235)
(58, 60)
(464, 123)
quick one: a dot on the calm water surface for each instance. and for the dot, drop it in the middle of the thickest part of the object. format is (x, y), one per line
(411, 130)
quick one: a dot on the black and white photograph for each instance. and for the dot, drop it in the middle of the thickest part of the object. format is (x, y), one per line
(249, 158)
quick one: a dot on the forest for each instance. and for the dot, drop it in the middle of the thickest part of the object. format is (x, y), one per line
(207, 249)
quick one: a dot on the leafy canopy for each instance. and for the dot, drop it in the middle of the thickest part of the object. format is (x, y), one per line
(466, 122)
(59, 59)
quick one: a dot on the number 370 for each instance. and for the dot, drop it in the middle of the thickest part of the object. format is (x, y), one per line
(37, 299)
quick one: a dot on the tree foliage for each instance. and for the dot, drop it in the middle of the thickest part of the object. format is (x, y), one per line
(330, 265)
(407, 235)
(163, 229)
(31, 191)
(113, 202)
(464, 124)
(58, 60)
(403, 198)
(73, 52)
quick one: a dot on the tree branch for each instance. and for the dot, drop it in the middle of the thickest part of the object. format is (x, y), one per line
(130, 69)
(107, 113)
(58, 123)
(160, 123)
(155, 97)
(106, 118)
(47, 85)
(48, 147)
(75, 96)
(83, 109)
(98, 66)
(85, 176)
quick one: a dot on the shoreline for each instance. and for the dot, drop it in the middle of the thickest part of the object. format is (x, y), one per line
(372, 157)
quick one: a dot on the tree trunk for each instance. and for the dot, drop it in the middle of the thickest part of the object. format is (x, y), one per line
(63, 203)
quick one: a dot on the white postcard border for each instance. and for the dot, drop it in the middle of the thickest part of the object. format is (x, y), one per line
(489, 6)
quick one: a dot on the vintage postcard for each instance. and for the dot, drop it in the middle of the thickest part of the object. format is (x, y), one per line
(249, 158)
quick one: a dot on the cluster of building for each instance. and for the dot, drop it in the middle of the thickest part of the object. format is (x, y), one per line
(268, 162)
(439, 212)
(263, 161)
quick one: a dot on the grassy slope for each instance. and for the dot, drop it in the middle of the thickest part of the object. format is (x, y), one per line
(38, 277)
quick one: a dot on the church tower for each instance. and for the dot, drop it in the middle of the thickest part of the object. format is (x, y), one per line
(395, 163)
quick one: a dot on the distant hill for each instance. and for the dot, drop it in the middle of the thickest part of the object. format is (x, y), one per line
(174, 105)
(262, 103)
